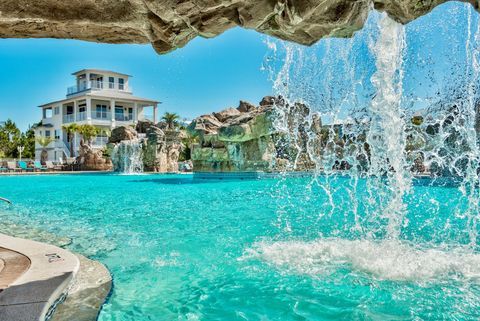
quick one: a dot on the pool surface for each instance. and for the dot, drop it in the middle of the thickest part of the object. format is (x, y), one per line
(269, 249)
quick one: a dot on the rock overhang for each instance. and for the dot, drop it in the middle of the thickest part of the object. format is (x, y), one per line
(171, 24)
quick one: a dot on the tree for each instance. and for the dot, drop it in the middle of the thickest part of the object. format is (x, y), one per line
(9, 138)
(171, 119)
(27, 140)
(71, 130)
(88, 132)
(44, 142)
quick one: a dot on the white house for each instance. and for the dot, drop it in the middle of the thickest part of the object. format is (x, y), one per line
(99, 97)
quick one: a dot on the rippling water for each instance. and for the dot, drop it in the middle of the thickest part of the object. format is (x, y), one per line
(272, 249)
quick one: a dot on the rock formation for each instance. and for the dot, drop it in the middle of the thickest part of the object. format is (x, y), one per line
(90, 159)
(171, 24)
(160, 147)
(245, 138)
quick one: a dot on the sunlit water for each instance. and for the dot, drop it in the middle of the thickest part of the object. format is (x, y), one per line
(181, 249)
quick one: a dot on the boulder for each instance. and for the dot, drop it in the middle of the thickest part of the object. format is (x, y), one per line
(267, 101)
(122, 133)
(226, 114)
(143, 125)
(245, 107)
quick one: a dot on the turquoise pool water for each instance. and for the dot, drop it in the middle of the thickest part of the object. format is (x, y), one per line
(269, 249)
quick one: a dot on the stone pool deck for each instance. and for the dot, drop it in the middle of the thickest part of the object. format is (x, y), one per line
(39, 281)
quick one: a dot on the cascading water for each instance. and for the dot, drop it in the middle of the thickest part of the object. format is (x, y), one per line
(397, 123)
(127, 157)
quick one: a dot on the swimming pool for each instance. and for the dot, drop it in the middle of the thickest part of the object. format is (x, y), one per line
(269, 249)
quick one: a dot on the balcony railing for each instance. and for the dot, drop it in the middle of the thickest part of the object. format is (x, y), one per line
(100, 141)
(123, 117)
(102, 115)
(81, 116)
(97, 85)
(70, 118)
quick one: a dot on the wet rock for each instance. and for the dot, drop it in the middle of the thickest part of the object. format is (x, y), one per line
(168, 25)
(267, 101)
(247, 140)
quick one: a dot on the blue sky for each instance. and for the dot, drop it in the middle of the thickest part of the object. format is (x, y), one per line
(206, 75)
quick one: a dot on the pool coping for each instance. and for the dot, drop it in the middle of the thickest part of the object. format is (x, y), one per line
(35, 294)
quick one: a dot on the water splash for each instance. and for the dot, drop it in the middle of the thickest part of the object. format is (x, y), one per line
(127, 157)
(392, 103)
(385, 260)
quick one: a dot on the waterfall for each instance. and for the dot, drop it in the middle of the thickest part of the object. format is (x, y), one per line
(386, 135)
(127, 157)
(394, 102)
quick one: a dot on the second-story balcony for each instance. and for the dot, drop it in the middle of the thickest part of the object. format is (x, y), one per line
(97, 85)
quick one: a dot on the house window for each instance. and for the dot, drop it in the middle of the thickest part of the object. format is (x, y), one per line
(57, 134)
(47, 113)
(47, 133)
(56, 110)
(81, 108)
(111, 82)
(69, 110)
(101, 112)
(121, 83)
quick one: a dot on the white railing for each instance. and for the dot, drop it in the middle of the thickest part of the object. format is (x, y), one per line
(102, 115)
(81, 116)
(100, 141)
(123, 117)
(69, 118)
(97, 85)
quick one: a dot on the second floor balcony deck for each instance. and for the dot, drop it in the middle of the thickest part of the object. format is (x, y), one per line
(97, 85)
(98, 115)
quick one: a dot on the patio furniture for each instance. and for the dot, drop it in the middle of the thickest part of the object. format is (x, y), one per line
(54, 167)
(24, 167)
(3, 169)
(70, 162)
(38, 166)
(12, 166)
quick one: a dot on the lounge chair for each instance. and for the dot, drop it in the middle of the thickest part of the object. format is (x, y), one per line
(51, 166)
(12, 166)
(24, 167)
(38, 165)
(3, 169)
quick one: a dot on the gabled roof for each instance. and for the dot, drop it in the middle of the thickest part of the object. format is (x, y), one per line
(99, 71)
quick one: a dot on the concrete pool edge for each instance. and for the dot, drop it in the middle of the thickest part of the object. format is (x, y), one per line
(57, 283)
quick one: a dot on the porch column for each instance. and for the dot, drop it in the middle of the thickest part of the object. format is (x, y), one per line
(88, 101)
(155, 113)
(112, 110)
(75, 109)
(135, 112)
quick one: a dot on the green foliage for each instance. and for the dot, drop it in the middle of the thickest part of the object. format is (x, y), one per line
(44, 141)
(11, 137)
(88, 132)
(171, 119)
(190, 139)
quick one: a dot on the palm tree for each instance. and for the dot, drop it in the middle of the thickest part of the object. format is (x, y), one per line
(88, 132)
(44, 142)
(71, 130)
(171, 120)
